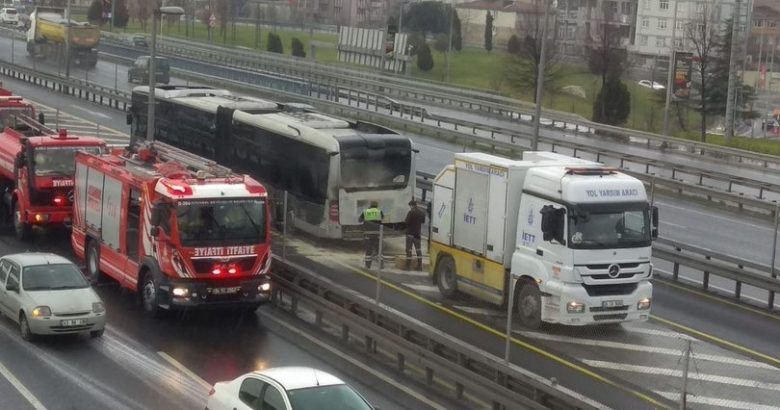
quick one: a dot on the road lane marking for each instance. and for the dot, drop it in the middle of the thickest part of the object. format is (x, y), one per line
(774, 360)
(663, 333)
(357, 363)
(27, 394)
(528, 346)
(175, 363)
(481, 311)
(422, 288)
(645, 349)
(673, 224)
(697, 292)
(91, 112)
(661, 371)
(732, 220)
(717, 402)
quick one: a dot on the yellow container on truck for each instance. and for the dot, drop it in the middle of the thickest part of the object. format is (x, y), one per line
(48, 31)
(570, 238)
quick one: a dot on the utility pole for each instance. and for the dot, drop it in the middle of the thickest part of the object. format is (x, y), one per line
(733, 77)
(113, 13)
(449, 48)
(67, 41)
(670, 74)
(540, 78)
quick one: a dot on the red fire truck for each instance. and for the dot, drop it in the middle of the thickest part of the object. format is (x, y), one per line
(36, 172)
(11, 105)
(178, 229)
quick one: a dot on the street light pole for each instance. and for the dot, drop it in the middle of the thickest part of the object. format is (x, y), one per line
(540, 77)
(67, 40)
(113, 13)
(670, 74)
(449, 48)
(156, 15)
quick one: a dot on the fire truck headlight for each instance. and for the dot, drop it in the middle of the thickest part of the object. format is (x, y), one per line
(644, 304)
(180, 292)
(264, 287)
(575, 307)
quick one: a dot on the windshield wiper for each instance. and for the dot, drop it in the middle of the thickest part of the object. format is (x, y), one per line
(254, 225)
(65, 287)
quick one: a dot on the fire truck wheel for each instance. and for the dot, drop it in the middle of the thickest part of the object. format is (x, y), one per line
(93, 261)
(21, 228)
(529, 305)
(150, 295)
(446, 277)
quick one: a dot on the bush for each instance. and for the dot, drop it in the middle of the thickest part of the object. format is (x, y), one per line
(122, 16)
(275, 43)
(617, 103)
(513, 46)
(424, 58)
(441, 43)
(95, 12)
(297, 48)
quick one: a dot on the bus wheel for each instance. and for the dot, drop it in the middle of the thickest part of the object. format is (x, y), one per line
(529, 305)
(21, 228)
(446, 277)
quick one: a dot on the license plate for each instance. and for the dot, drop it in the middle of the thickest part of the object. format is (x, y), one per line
(225, 291)
(611, 303)
(74, 322)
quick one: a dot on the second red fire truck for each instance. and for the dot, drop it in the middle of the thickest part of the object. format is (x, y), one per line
(176, 228)
(36, 169)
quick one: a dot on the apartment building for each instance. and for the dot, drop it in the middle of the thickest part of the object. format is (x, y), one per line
(581, 23)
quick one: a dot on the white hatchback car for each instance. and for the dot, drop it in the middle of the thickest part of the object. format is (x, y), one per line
(46, 294)
(9, 15)
(286, 388)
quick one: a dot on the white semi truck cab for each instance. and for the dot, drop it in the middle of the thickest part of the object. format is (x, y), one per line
(572, 238)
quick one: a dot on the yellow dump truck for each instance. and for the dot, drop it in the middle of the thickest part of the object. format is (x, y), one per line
(48, 31)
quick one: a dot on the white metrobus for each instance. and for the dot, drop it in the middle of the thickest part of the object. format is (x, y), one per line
(331, 168)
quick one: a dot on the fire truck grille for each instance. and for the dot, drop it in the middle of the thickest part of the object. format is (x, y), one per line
(205, 266)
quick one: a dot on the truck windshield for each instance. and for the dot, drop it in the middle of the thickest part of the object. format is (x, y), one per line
(612, 226)
(227, 222)
(380, 171)
(7, 114)
(58, 161)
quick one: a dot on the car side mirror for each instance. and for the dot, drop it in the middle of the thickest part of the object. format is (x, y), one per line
(41, 118)
(655, 222)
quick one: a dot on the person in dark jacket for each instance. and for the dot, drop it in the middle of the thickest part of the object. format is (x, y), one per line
(415, 219)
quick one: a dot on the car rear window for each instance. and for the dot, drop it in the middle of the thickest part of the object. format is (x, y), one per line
(10, 11)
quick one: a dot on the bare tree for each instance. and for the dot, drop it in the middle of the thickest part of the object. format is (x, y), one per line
(607, 55)
(702, 32)
(523, 67)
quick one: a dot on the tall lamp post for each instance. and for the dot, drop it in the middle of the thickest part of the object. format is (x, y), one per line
(67, 40)
(156, 14)
(540, 74)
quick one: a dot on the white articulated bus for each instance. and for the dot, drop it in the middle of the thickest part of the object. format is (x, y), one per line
(331, 168)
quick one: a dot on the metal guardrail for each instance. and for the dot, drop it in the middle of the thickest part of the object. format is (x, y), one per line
(447, 96)
(444, 362)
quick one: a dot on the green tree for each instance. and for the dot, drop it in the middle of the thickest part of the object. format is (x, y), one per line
(424, 58)
(457, 35)
(275, 43)
(442, 42)
(122, 16)
(427, 17)
(613, 103)
(702, 32)
(297, 48)
(95, 12)
(488, 31)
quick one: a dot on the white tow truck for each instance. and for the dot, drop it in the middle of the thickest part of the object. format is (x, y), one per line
(572, 238)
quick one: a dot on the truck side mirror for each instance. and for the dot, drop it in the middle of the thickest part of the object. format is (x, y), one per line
(156, 216)
(553, 224)
(154, 231)
(19, 161)
(655, 222)
(129, 118)
(41, 118)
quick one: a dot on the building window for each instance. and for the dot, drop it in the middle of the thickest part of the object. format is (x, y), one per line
(663, 4)
(645, 22)
(678, 43)
(646, 4)
(660, 42)
(612, 6)
(642, 40)
(625, 8)
(680, 25)
(662, 24)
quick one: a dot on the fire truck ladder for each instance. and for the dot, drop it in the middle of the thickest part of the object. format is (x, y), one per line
(28, 126)
(193, 162)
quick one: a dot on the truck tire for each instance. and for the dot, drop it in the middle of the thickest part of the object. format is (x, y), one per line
(93, 262)
(21, 228)
(149, 293)
(529, 305)
(446, 277)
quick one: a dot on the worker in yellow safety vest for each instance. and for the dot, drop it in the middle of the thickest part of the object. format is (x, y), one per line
(371, 218)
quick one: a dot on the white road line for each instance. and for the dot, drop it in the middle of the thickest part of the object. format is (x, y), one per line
(422, 288)
(175, 363)
(717, 402)
(87, 110)
(729, 219)
(21, 389)
(673, 224)
(663, 333)
(421, 397)
(480, 311)
(659, 371)
(645, 349)
(416, 274)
